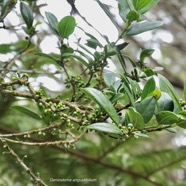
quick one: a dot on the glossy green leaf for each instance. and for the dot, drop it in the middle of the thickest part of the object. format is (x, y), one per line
(165, 86)
(102, 101)
(148, 6)
(149, 87)
(167, 117)
(136, 119)
(52, 20)
(146, 53)
(105, 127)
(146, 108)
(141, 27)
(27, 112)
(165, 102)
(66, 26)
(27, 15)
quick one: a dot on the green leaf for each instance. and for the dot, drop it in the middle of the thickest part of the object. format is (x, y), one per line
(167, 117)
(149, 87)
(102, 101)
(165, 86)
(52, 20)
(148, 6)
(146, 53)
(105, 127)
(132, 16)
(142, 3)
(149, 72)
(136, 119)
(27, 15)
(165, 102)
(146, 108)
(66, 26)
(124, 9)
(27, 112)
(142, 27)
(4, 6)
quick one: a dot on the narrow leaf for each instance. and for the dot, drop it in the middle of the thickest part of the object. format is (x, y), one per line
(142, 27)
(27, 15)
(124, 9)
(27, 112)
(105, 127)
(101, 100)
(52, 20)
(149, 6)
(110, 16)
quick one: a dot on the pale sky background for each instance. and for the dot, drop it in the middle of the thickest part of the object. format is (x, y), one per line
(93, 13)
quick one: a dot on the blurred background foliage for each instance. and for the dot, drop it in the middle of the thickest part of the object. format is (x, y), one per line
(160, 158)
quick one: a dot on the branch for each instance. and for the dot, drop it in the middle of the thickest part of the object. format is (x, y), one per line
(108, 165)
(37, 180)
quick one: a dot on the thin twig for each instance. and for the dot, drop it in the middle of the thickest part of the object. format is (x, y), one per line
(37, 180)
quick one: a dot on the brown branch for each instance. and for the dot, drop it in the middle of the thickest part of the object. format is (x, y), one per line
(112, 148)
(165, 166)
(106, 164)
